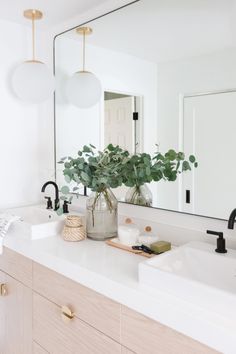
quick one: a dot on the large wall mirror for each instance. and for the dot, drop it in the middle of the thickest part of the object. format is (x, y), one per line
(174, 63)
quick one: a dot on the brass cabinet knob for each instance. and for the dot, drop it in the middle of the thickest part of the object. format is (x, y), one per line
(3, 289)
(66, 314)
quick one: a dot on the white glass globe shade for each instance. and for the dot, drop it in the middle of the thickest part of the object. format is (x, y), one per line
(83, 89)
(32, 81)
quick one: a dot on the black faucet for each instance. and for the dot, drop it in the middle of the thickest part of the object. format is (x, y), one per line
(56, 201)
(232, 219)
(220, 241)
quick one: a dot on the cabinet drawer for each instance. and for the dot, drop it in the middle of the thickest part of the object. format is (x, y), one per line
(145, 336)
(74, 336)
(17, 266)
(91, 307)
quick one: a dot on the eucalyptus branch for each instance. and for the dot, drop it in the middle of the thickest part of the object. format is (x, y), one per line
(112, 167)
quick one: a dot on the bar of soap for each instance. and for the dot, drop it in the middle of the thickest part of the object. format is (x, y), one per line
(160, 246)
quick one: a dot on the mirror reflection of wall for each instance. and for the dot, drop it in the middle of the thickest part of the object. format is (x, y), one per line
(161, 58)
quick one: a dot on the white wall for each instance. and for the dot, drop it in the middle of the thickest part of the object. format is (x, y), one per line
(193, 75)
(21, 146)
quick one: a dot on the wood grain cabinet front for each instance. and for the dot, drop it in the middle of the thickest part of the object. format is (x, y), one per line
(126, 351)
(17, 266)
(145, 336)
(44, 312)
(89, 306)
(59, 335)
(15, 316)
(37, 349)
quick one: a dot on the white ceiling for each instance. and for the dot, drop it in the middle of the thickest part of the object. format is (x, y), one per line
(55, 11)
(162, 30)
(156, 30)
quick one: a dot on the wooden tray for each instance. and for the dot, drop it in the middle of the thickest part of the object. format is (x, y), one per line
(114, 242)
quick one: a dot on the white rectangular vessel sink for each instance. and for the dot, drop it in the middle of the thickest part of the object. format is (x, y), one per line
(196, 273)
(36, 222)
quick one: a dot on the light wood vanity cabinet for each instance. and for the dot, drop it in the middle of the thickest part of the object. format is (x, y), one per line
(15, 305)
(45, 313)
(126, 351)
(145, 336)
(37, 349)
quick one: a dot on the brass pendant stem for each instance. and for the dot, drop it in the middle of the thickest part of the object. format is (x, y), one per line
(33, 38)
(85, 31)
(33, 15)
(84, 51)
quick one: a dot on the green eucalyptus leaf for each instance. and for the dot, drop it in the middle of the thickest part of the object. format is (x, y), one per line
(85, 176)
(67, 178)
(86, 148)
(171, 155)
(68, 165)
(65, 190)
(180, 156)
(148, 171)
(59, 211)
(76, 178)
(186, 166)
(192, 158)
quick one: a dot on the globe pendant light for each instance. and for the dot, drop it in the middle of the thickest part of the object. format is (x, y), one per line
(32, 80)
(83, 89)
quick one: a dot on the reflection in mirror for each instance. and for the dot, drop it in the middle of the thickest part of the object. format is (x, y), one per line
(122, 121)
(178, 73)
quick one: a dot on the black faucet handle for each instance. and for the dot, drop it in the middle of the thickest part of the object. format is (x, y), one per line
(216, 233)
(49, 202)
(220, 241)
(65, 207)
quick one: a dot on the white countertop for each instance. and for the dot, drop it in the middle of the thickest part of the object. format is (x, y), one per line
(114, 273)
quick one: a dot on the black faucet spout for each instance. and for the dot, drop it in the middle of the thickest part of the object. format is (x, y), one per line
(56, 202)
(232, 220)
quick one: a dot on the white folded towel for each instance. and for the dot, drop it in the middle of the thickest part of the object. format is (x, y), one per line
(5, 222)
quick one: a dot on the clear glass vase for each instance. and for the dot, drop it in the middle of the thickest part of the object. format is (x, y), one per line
(139, 195)
(102, 215)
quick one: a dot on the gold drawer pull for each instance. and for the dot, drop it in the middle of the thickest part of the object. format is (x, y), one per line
(3, 289)
(66, 314)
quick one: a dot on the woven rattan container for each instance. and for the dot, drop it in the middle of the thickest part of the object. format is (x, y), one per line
(74, 229)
